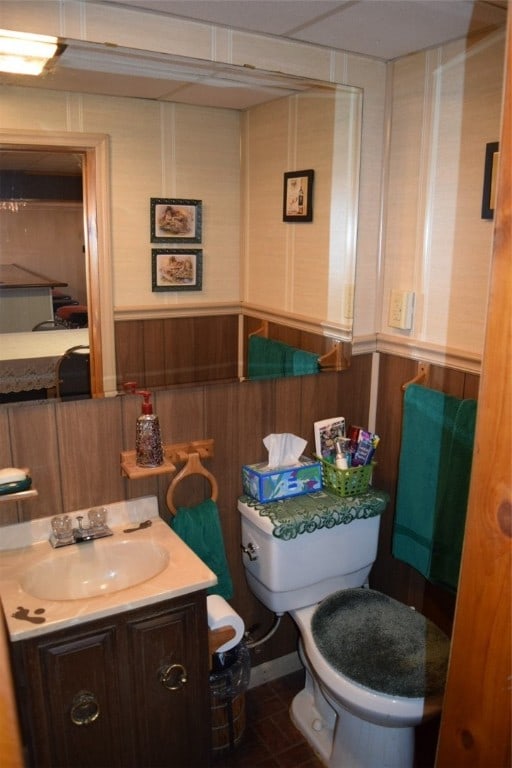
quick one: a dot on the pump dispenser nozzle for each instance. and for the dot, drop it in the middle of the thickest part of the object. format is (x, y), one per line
(147, 405)
(148, 442)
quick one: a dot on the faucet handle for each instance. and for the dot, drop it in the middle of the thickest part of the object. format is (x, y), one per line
(97, 517)
(62, 528)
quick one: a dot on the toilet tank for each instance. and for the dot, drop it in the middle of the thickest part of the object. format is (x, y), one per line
(286, 575)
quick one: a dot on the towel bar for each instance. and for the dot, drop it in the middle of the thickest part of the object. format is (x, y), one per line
(336, 359)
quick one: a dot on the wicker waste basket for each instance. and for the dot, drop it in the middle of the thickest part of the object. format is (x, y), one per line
(229, 679)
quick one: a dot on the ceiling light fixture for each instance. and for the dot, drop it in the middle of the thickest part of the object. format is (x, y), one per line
(25, 54)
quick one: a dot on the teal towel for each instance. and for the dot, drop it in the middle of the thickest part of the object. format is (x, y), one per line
(433, 481)
(301, 363)
(451, 511)
(269, 359)
(199, 527)
(265, 358)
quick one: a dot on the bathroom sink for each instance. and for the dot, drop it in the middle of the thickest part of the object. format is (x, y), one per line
(93, 569)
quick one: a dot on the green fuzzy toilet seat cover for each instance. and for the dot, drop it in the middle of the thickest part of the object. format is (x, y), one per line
(381, 644)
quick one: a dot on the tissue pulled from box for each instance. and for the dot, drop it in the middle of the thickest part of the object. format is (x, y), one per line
(284, 450)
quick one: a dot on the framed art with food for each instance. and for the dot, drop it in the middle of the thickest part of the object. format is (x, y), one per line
(177, 269)
(298, 196)
(175, 221)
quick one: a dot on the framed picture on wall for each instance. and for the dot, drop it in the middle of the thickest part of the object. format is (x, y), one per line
(175, 221)
(177, 269)
(298, 196)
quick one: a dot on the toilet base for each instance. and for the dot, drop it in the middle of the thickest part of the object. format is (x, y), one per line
(317, 732)
(347, 741)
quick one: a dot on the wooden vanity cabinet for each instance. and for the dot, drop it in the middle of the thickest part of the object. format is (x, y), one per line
(130, 690)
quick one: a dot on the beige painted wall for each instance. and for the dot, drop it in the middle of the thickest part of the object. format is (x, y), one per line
(48, 238)
(446, 105)
(303, 268)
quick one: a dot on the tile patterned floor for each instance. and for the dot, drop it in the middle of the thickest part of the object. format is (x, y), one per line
(270, 740)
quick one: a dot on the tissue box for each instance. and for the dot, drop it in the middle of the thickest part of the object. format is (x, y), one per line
(266, 484)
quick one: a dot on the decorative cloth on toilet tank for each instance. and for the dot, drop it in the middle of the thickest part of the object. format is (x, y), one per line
(323, 509)
(433, 482)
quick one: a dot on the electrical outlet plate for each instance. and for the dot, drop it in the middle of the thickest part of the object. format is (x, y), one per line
(401, 310)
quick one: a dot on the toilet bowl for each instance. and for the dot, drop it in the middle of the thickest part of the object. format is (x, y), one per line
(349, 719)
(364, 727)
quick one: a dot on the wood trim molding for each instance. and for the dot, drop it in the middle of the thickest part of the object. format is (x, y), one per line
(416, 349)
(325, 328)
(301, 323)
(216, 308)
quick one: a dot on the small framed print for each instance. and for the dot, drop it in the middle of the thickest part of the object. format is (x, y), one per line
(175, 221)
(177, 269)
(298, 196)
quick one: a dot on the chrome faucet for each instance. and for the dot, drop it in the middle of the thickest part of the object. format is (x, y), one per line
(63, 533)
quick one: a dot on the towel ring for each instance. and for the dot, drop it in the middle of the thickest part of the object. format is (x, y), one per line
(192, 467)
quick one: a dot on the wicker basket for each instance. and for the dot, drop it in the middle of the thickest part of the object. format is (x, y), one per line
(347, 482)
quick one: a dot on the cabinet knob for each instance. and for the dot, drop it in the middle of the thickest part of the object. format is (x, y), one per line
(84, 708)
(172, 676)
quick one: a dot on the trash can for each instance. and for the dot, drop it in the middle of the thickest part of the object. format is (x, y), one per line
(229, 679)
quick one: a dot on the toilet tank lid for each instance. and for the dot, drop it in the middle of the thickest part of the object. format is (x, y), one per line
(251, 513)
(288, 518)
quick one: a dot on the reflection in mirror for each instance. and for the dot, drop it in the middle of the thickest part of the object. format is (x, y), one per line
(50, 269)
(321, 305)
(43, 285)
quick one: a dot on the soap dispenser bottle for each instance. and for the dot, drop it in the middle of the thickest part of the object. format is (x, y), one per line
(148, 442)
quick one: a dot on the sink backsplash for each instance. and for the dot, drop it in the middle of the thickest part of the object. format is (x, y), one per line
(133, 511)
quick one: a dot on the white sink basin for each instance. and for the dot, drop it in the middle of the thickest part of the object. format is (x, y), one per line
(94, 568)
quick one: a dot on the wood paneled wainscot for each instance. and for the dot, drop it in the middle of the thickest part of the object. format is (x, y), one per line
(178, 350)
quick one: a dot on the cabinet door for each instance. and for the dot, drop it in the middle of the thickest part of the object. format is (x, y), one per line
(74, 693)
(168, 669)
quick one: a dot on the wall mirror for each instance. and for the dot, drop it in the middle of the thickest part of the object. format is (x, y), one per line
(122, 72)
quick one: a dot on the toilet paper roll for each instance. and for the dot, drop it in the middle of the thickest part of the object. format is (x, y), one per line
(221, 614)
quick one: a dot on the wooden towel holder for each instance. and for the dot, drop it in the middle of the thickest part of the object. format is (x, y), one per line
(421, 376)
(333, 360)
(192, 466)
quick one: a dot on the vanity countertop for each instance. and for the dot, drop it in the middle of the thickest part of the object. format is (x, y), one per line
(25, 545)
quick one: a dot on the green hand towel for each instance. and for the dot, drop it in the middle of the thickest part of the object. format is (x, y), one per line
(199, 527)
(451, 511)
(265, 358)
(269, 359)
(302, 363)
(428, 453)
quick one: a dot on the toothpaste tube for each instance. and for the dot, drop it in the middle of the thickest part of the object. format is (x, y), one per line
(365, 448)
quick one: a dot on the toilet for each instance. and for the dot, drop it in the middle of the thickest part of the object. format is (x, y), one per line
(359, 706)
